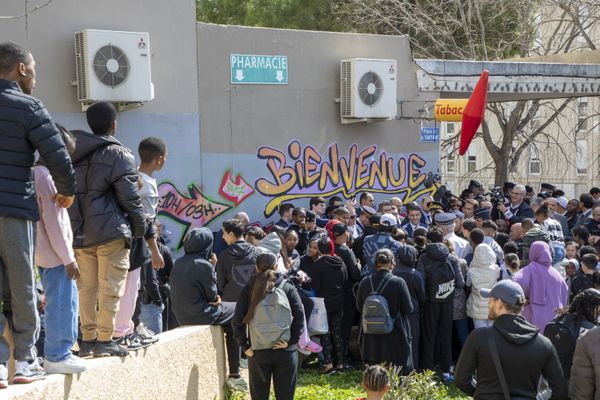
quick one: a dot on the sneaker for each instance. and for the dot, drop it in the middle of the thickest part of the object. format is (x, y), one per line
(244, 363)
(238, 384)
(27, 372)
(131, 341)
(86, 349)
(447, 377)
(70, 365)
(146, 335)
(3, 376)
(108, 349)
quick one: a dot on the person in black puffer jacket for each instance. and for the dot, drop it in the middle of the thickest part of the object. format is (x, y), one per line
(25, 127)
(106, 216)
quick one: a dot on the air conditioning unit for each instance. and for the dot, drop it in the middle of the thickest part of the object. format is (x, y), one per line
(368, 89)
(113, 66)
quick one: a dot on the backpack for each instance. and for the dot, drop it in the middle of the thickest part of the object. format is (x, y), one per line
(272, 320)
(376, 318)
(563, 332)
(441, 282)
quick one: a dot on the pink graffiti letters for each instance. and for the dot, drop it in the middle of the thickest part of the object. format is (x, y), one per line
(192, 211)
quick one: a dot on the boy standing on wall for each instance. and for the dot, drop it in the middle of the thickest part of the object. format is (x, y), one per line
(153, 155)
(106, 216)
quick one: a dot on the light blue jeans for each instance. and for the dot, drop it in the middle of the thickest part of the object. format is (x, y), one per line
(60, 313)
(151, 316)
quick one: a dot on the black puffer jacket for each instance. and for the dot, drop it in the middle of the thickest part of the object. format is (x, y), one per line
(107, 202)
(235, 267)
(25, 126)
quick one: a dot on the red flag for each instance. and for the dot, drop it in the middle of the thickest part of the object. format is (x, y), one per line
(474, 112)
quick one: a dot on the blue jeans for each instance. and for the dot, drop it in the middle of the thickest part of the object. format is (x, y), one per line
(60, 313)
(151, 316)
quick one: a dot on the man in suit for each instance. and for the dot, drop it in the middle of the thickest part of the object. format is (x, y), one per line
(517, 210)
(414, 219)
(586, 203)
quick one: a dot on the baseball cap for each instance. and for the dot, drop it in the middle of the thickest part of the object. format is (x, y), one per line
(388, 220)
(562, 201)
(310, 216)
(510, 292)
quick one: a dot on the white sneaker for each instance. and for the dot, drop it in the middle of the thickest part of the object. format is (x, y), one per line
(27, 372)
(3, 376)
(71, 365)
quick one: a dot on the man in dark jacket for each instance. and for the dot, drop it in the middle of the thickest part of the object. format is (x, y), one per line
(524, 354)
(107, 215)
(25, 127)
(517, 209)
(405, 269)
(438, 309)
(194, 294)
(236, 263)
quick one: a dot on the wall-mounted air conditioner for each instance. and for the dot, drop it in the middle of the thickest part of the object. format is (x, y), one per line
(113, 66)
(368, 89)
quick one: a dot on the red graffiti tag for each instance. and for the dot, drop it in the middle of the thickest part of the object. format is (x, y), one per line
(236, 191)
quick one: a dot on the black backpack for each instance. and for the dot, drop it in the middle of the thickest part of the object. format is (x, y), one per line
(563, 332)
(441, 282)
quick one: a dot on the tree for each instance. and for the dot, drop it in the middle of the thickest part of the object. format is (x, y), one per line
(489, 30)
(305, 14)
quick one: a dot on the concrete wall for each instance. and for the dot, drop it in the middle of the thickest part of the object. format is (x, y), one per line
(215, 130)
(186, 363)
(240, 121)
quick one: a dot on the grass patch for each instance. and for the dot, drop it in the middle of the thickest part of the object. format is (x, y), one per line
(343, 386)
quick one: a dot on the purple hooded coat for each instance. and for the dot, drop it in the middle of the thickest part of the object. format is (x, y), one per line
(544, 288)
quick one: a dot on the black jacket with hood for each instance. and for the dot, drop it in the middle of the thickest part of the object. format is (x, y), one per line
(405, 269)
(433, 256)
(235, 266)
(107, 201)
(524, 354)
(241, 309)
(329, 279)
(194, 282)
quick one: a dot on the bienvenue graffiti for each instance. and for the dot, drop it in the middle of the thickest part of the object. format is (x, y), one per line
(301, 171)
(193, 210)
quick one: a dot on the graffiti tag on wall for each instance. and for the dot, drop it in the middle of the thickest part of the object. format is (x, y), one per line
(236, 190)
(193, 210)
(301, 172)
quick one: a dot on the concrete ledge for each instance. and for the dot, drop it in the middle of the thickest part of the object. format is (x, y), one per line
(184, 364)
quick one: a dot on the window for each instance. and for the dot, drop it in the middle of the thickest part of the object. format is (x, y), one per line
(535, 165)
(472, 158)
(450, 160)
(581, 157)
(450, 128)
(582, 114)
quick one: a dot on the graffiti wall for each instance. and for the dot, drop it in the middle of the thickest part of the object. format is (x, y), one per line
(293, 173)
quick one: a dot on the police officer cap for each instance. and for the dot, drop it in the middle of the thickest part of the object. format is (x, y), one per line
(459, 214)
(474, 183)
(368, 210)
(548, 186)
(483, 213)
(435, 205)
(445, 218)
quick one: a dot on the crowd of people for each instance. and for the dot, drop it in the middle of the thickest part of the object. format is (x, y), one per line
(497, 292)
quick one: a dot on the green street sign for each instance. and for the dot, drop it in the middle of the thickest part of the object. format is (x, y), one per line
(253, 69)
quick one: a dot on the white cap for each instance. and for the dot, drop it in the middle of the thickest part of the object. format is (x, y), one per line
(562, 201)
(388, 220)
